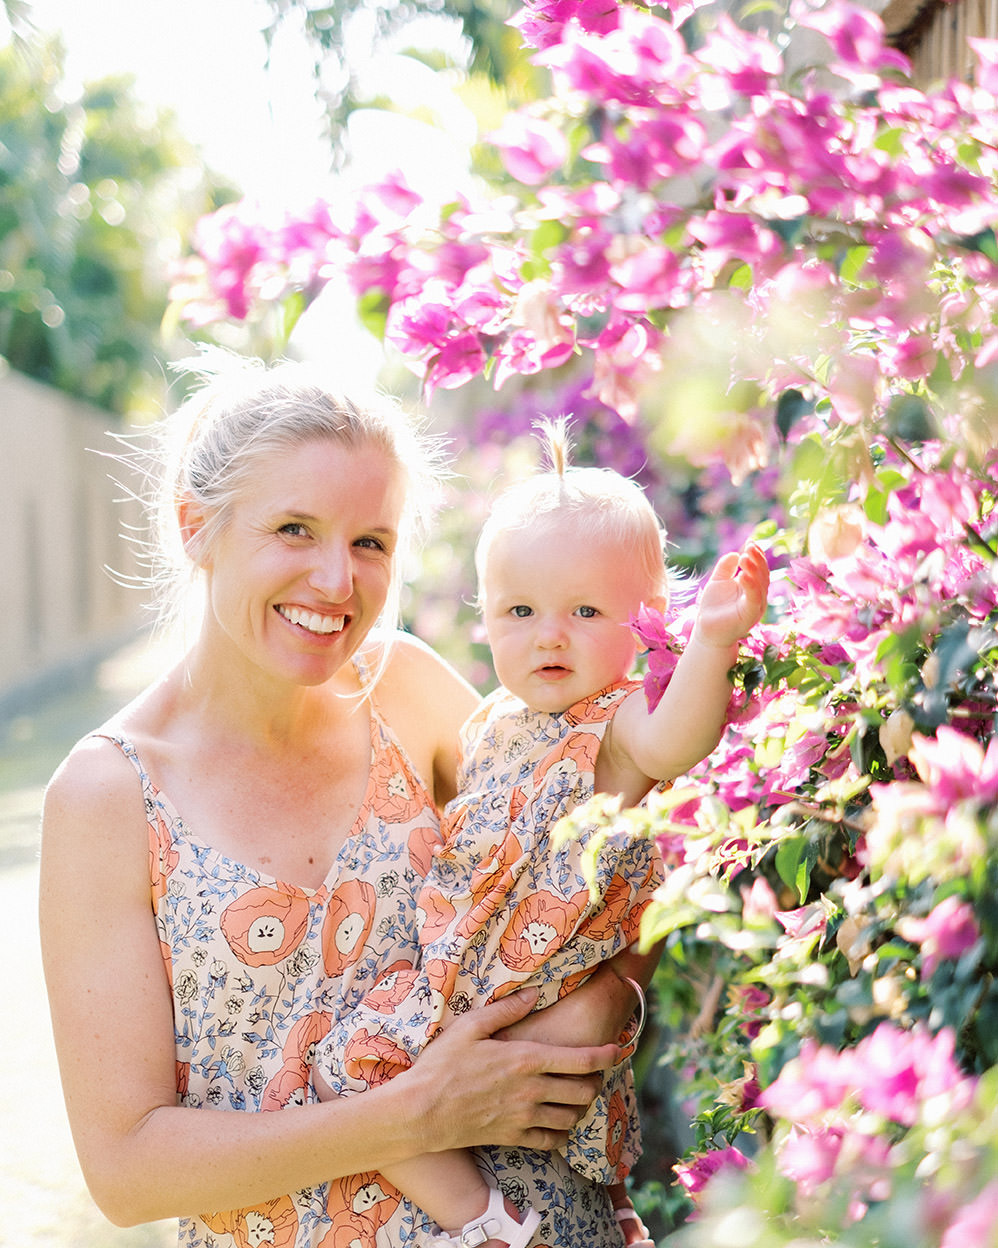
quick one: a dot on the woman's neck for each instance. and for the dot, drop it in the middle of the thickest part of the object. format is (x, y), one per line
(241, 700)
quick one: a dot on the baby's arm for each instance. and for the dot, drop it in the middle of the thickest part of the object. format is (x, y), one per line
(687, 723)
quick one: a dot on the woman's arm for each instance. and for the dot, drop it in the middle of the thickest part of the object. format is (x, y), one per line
(143, 1156)
(427, 702)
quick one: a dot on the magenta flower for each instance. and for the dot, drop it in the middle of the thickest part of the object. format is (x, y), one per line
(541, 22)
(749, 62)
(956, 767)
(949, 930)
(232, 242)
(857, 38)
(975, 1224)
(694, 1175)
(531, 147)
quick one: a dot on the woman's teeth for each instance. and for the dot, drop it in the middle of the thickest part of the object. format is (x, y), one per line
(312, 620)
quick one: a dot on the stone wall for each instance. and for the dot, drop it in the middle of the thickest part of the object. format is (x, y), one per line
(62, 514)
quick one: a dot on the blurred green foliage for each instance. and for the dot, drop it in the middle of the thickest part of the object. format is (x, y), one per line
(97, 194)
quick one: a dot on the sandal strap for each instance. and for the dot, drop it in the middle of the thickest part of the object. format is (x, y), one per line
(494, 1223)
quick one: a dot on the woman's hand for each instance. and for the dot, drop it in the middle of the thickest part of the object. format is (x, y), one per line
(476, 1088)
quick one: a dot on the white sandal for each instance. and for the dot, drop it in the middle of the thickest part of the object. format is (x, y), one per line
(494, 1223)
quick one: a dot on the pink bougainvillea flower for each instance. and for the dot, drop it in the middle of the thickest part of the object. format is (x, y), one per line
(949, 930)
(759, 902)
(986, 74)
(694, 1175)
(857, 38)
(459, 359)
(748, 62)
(232, 242)
(896, 1071)
(956, 767)
(531, 147)
(541, 23)
(651, 278)
(977, 1223)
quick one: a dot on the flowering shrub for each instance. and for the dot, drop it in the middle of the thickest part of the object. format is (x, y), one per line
(771, 260)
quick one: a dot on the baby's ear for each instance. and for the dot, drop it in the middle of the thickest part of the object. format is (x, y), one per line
(659, 603)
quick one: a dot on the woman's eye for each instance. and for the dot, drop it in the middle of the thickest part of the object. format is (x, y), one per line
(588, 613)
(521, 612)
(294, 528)
(370, 543)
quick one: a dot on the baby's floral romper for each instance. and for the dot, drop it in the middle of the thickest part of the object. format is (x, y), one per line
(507, 903)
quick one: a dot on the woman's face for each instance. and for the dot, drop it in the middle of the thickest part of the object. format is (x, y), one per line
(303, 566)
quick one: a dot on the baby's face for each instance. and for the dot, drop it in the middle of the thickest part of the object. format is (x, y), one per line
(557, 605)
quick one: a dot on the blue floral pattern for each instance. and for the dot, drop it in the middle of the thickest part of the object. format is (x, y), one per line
(260, 968)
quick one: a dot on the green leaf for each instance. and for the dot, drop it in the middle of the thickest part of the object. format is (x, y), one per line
(792, 864)
(372, 311)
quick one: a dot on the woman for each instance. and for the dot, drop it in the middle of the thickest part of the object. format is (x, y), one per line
(235, 857)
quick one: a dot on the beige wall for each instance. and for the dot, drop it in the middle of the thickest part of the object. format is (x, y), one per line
(59, 530)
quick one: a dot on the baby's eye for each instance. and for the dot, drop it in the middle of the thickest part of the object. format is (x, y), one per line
(521, 612)
(587, 613)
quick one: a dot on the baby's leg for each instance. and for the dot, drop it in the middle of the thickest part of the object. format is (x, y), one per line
(450, 1188)
(633, 1231)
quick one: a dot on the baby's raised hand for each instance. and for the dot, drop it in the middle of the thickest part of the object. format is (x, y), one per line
(734, 598)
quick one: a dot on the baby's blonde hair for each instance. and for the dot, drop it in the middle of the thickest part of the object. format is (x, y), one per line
(598, 500)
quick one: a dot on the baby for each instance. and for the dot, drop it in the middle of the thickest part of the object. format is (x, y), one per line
(564, 561)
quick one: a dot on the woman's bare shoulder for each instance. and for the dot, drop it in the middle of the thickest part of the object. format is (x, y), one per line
(415, 672)
(94, 779)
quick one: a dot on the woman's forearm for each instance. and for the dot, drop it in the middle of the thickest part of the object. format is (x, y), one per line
(466, 1089)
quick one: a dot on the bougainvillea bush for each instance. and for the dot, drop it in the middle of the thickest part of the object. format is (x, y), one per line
(759, 266)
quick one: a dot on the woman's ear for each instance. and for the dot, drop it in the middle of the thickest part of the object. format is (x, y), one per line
(191, 520)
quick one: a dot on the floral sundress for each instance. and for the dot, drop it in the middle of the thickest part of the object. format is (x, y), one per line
(260, 968)
(507, 904)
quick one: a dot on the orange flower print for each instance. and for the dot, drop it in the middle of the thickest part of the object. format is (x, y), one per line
(423, 844)
(616, 1129)
(272, 1222)
(287, 1088)
(491, 882)
(347, 924)
(540, 924)
(183, 1079)
(392, 988)
(595, 710)
(291, 1083)
(397, 797)
(441, 975)
(163, 857)
(437, 913)
(305, 1035)
(373, 1059)
(265, 925)
(363, 1203)
(616, 900)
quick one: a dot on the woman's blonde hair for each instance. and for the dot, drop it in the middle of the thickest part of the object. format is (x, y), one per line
(599, 501)
(242, 413)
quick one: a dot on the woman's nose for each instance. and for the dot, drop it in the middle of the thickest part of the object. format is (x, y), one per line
(332, 574)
